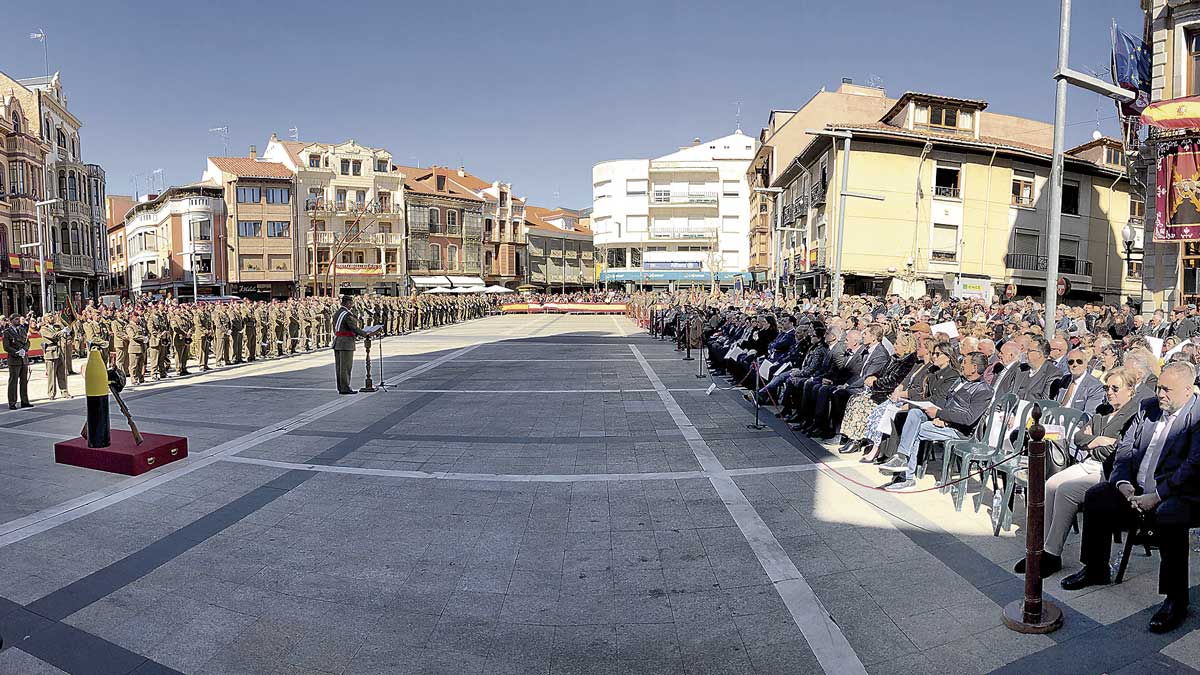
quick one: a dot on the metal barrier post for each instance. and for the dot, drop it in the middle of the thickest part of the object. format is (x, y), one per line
(1032, 614)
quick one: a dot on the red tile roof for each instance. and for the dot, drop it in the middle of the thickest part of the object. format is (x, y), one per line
(244, 167)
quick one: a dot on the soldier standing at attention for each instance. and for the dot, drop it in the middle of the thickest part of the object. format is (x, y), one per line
(16, 345)
(138, 339)
(345, 331)
(221, 329)
(54, 336)
(160, 342)
(236, 338)
(250, 317)
(202, 335)
(119, 330)
(181, 335)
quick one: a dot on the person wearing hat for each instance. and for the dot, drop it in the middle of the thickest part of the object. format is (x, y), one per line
(345, 331)
(55, 338)
(1182, 326)
(16, 346)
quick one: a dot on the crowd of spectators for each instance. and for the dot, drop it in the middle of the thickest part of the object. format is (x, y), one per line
(893, 379)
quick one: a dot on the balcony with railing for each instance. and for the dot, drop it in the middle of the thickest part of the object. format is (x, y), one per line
(800, 206)
(789, 215)
(817, 194)
(1039, 263)
(23, 144)
(691, 198)
(73, 264)
(389, 238)
(683, 232)
(947, 191)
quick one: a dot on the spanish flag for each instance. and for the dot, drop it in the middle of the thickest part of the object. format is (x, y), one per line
(1177, 113)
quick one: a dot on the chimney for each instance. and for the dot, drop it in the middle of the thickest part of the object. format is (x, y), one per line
(462, 171)
(253, 152)
(847, 80)
(695, 141)
(274, 136)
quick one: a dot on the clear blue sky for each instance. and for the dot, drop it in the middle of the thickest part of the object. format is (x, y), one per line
(530, 92)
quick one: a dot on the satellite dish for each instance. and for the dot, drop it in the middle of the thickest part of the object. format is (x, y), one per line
(1096, 135)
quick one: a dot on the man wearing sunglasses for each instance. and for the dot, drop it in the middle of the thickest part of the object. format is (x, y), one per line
(1079, 389)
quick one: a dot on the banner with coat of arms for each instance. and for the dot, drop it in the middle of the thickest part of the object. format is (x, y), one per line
(1177, 193)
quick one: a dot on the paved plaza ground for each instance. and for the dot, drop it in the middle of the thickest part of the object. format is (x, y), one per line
(534, 494)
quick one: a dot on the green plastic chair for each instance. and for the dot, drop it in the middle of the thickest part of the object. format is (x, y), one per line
(975, 450)
(1015, 472)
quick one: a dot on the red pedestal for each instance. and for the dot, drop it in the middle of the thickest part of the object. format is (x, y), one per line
(123, 456)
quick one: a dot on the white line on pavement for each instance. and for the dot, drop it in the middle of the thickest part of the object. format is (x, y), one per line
(824, 637)
(48, 518)
(519, 477)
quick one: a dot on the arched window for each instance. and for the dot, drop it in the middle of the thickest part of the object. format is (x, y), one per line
(72, 187)
(452, 255)
(75, 247)
(62, 138)
(435, 256)
(64, 239)
(16, 123)
(3, 173)
(487, 262)
(62, 185)
(451, 218)
(46, 126)
(435, 219)
(74, 154)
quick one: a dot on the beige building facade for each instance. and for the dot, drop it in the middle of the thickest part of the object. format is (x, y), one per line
(254, 248)
(963, 207)
(169, 245)
(350, 215)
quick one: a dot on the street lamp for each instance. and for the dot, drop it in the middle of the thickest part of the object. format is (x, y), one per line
(1129, 236)
(845, 137)
(40, 245)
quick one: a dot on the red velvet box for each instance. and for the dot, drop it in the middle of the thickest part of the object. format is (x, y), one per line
(123, 455)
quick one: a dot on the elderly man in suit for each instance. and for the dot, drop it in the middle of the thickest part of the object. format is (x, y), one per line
(830, 401)
(1058, 353)
(1079, 389)
(1156, 475)
(845, 360)
(968, 401)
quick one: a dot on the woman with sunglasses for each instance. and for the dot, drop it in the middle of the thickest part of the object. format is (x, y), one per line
(1097, 441)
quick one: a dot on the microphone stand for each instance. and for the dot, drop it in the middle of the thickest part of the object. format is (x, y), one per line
(382, 379)
(756, 425)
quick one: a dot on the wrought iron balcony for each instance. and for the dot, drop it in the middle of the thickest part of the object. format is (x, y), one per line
(817, 194)
(1039, 263)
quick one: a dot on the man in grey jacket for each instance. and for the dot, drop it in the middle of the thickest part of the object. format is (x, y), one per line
(968, 402)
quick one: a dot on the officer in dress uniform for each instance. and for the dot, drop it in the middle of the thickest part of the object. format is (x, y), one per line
(16, 345)
(345, 331)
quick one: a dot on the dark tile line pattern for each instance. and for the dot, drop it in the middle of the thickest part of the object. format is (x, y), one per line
(75, 596)
(208, 423)
(356, 440)
(87, 654)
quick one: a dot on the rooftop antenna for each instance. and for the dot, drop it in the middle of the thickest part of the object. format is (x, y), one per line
(162, 186)
(294, 134)
(40, 36)
(416, 161)
(739, 116)
(136, 194)
(875, 81)
(224, 132)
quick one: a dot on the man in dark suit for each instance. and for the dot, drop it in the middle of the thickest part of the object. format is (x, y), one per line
(1008, 373)
(830, 402)
(844, 364)
(1043, 372)
(1156, 474)
(1181, 326)
(1079, 390)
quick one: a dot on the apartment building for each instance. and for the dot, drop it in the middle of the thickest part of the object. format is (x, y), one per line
(117, 279)
(560, 250)
(254, 249)
(964, 206)
(679, 218)
(785, 134)
(445, 221)
(350, 215)
(172, 246)
(22, 161)
(505, 260)
(76, 222)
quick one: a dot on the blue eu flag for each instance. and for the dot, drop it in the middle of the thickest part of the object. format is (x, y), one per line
(1131, 69)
